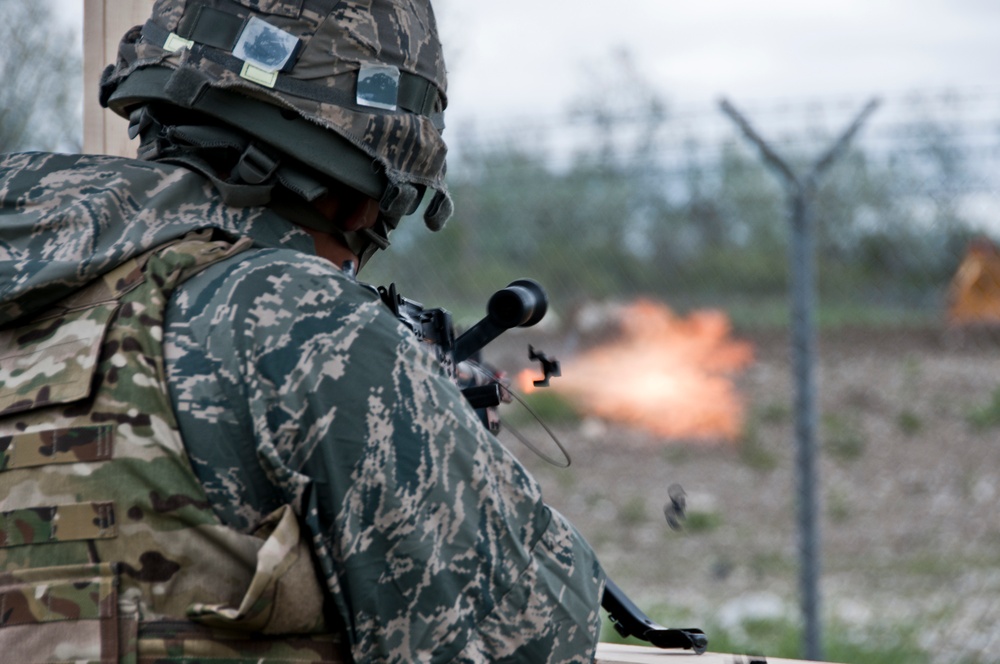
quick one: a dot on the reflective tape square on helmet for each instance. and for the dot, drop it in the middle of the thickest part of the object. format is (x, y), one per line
(378, 86)
(265, 46)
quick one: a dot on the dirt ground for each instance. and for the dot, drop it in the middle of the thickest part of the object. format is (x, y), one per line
(909, 479)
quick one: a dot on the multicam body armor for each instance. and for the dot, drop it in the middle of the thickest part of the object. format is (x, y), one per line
(108, 543)
(306, 413)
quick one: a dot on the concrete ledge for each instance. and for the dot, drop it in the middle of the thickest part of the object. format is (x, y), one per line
(611, 653)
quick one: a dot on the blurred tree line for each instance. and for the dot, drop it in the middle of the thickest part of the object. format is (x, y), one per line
(42, 77)
(700, 223)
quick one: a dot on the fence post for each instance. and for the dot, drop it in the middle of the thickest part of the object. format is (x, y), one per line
(801, 193)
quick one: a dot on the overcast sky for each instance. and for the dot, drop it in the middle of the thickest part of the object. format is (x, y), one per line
(524, 54)
(527, 57)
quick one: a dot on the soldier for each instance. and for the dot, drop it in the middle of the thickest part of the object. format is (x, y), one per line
(214, 443)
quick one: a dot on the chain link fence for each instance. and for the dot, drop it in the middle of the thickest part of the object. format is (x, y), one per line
(675, 206)
(678, 205)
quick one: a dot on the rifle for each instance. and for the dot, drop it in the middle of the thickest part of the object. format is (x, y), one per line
(522, 303)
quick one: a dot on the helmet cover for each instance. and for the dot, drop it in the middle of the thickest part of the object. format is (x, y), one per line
(371, 71)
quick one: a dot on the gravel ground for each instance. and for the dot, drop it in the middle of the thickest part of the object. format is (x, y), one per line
(909, 484)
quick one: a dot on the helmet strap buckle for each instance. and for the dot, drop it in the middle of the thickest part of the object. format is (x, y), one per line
(256, 166)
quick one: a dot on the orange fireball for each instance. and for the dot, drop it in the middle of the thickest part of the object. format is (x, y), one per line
(669, 375)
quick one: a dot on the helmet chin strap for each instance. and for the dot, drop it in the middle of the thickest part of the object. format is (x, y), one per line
(362, 243)
(377, 237)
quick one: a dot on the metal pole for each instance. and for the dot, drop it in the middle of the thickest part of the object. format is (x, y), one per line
(803, 296)
(801, 192)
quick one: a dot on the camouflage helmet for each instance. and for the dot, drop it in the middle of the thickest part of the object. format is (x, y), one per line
(352, 89)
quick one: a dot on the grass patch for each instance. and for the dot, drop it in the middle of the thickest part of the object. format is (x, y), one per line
(843, 439)
(774, 413)
(753, 454)
(931, 566)
(761, 314)
(702, 522)
(783, 639)
(676, 454)
(548, 406)
(633, 512)
(909, 423)
(771, 564)
(986, 416)
(838, 508)
(925, 567)
(768, 313)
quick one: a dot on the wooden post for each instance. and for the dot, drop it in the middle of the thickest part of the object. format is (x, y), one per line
(104, 24)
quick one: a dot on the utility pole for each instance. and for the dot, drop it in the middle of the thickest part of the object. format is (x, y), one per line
(801, 193)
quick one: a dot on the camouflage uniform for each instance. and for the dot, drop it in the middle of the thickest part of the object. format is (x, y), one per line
(296, 394)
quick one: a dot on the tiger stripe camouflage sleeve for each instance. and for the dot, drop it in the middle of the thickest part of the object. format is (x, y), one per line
(294, 385)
